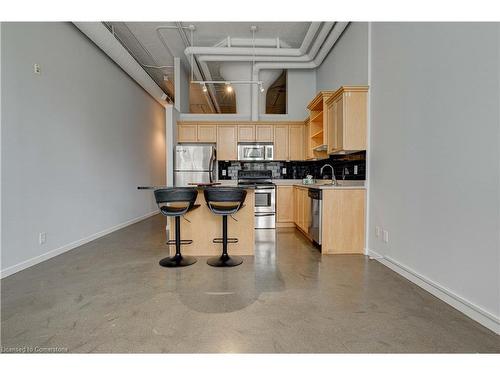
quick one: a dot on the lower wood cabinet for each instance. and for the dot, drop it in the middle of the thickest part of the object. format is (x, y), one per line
(284, 206)
(342, 218)
(302, 209)
(343, 221)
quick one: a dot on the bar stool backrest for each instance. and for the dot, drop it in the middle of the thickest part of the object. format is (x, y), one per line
(175, 195)
(225, 195)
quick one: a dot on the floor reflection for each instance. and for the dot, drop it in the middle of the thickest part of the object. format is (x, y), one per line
(220, 290)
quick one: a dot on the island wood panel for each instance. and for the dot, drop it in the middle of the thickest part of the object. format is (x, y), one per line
(204, 226)
(343, 221)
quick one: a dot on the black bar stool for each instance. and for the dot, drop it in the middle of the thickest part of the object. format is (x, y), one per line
(232, 200)
(187, 196)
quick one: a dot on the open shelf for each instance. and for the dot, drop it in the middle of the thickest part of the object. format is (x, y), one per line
(317, 117)
(318, 134)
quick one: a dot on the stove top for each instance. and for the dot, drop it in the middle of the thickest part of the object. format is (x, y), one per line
(255, 178)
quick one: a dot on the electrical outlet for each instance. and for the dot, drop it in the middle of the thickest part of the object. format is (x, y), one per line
(37, 69)
(283, 170)
(377, 231)
(42, 238)
(224, 172)
(355, 169)
(386, 236)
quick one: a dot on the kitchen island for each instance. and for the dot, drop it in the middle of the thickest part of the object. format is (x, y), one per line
(203, 226)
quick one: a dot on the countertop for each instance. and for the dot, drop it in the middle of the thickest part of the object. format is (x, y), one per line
(322, 184)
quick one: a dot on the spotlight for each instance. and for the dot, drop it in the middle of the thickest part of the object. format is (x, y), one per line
(229, 88)
(165, 77)
(261, 88)
(204, 88)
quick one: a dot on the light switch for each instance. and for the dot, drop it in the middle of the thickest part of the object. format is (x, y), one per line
(386, 236)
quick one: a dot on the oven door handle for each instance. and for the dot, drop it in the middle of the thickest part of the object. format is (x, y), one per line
(264, 214)
(264, 188)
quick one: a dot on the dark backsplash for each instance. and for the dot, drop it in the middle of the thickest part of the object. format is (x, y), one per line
(300, 169)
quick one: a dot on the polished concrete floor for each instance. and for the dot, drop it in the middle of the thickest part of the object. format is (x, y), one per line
(112, 296)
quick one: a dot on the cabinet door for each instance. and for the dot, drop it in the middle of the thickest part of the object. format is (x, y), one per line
(187, 133)
(281, 142)
(284, 204)
(306, 211)
(339, 123)
(296, 142)
(264, 133)
(307, 149)
(331, 114)
(246, 133)
(227, 142)
(207, 133)
(296, 192)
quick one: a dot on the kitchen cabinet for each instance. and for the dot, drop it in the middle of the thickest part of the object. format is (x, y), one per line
(207, 133)
(302, 209)
(318, 126)
(284, 206)
(264, 133)
(193, 133)
(296, 142)
(343, 221)
(281, 142)
(227, 142)
(347, 117)
(246, 133)
(187, 133)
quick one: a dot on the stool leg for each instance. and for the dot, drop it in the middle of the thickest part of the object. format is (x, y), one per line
(178, 260)
(224, 260)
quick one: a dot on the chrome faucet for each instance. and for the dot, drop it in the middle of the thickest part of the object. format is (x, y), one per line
(334, 180)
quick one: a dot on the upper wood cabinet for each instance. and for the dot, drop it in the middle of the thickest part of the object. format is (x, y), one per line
(296, 142)
(246, 133)
(318, 126)
(227, 142)
(193, 133)
(207, 133)
(264, 133)
(281, 142)
(347, 115)
(187, 133)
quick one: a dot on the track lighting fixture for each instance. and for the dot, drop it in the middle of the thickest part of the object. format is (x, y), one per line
(229, 88)
(204, 88)
(261, 88)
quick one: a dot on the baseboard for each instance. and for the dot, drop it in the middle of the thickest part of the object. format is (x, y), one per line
(52, 253)
(468, 308)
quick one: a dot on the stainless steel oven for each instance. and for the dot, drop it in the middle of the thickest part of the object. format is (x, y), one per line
(265, 207)
(255, 151)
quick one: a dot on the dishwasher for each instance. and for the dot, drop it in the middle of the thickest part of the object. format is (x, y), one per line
(314, 229)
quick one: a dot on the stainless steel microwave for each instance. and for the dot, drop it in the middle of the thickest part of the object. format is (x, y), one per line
(255, 151)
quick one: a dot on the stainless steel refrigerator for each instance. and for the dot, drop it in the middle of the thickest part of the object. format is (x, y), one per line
(194, 164)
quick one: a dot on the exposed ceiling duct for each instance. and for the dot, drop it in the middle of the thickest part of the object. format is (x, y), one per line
(101, 36)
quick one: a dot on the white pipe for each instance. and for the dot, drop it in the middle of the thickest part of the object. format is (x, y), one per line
(325, 49)
(311, 32)
(244, 42)
(101, 36)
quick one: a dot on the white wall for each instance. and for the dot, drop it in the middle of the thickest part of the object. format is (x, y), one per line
(301, 89)
(76, 142)
(434, 157)
(347, 62)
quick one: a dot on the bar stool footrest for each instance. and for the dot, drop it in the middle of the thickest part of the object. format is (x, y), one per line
(221, 240)
(182, 242)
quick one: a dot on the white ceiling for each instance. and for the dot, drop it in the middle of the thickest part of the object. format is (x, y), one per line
(157, 43)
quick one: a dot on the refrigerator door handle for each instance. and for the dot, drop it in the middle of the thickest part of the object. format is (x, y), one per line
(211, 166)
